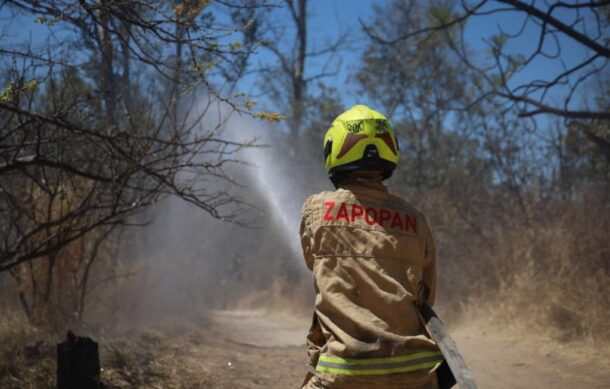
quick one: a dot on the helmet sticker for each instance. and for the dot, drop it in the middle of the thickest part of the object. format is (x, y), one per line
(381, 126)
(355, 127)
(350, 141)
(387, 138)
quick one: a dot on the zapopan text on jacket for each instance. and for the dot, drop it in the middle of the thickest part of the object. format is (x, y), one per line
(350, 213)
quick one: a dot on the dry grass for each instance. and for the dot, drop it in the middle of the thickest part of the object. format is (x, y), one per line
(26, 355)
(549, 277)
(146, 358)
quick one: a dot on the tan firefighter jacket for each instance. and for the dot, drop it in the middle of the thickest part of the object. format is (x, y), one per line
(372, 258)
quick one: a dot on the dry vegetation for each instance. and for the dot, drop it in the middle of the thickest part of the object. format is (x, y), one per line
(548, 276)
(27, 355)
(171, 355)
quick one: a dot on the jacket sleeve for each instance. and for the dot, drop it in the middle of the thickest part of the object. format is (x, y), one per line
(315, 341)
(429, 275)
(307, 234)
(315, 337)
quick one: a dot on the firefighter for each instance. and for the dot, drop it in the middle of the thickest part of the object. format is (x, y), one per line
(373, 261)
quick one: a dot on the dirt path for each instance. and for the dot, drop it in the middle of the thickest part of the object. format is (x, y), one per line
(503, 360)
(498, 359)
(255, 328)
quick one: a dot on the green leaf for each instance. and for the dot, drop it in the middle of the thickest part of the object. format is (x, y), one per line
(7, 93)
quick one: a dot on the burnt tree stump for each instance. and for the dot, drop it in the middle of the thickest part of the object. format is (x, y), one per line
(78, 363)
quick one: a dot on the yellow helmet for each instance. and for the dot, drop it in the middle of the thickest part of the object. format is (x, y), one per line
(360, 139)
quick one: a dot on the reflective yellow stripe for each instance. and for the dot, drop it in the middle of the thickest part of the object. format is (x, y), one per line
(388, 365)
(368, 361)
(403, 369)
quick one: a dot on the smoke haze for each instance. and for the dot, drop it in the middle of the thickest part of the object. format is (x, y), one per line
(192, 261)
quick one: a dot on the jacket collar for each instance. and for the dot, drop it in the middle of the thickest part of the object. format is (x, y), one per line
(362, 183)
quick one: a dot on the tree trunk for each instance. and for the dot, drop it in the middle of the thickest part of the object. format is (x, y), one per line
(176, 87)
(298, 78)
(107, 76)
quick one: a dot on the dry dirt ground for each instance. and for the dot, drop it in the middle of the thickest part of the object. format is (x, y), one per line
(252, 349)
(239, 349)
